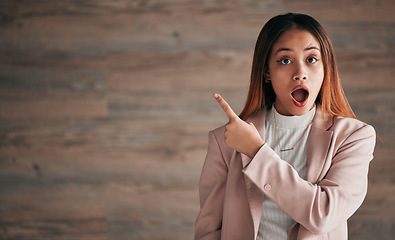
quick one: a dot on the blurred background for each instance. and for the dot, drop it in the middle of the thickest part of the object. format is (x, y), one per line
(105, 107)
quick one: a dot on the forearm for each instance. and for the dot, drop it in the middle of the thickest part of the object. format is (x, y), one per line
(321, 206)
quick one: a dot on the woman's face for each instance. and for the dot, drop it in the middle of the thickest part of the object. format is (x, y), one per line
(296, 72)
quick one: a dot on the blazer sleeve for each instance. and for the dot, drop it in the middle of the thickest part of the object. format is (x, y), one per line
(211, 193)
(322, 206)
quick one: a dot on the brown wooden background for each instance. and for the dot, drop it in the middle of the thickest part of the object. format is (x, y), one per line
(105, 108)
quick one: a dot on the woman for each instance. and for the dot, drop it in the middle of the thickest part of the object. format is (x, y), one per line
(294, 165)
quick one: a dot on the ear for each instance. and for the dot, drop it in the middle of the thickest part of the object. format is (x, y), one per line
(267, 75)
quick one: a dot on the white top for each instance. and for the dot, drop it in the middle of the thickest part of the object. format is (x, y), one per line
(275, 223)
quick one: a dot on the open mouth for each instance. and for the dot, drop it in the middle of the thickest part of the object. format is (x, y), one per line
(300, 95)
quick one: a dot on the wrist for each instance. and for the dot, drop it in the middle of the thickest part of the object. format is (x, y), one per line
(252, 154)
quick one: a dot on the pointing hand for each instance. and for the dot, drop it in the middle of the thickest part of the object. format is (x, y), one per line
(240, 135)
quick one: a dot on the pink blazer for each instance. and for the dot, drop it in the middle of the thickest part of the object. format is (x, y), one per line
(232, 186)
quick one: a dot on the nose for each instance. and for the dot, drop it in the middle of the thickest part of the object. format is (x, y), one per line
(296, 77)
(300, 73)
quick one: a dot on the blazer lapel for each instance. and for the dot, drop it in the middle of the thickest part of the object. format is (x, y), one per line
(318, 144)
(254, 194)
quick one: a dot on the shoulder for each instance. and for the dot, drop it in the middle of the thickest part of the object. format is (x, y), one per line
(352, 131)
(348, 126)
(219, 133)
(217, 139)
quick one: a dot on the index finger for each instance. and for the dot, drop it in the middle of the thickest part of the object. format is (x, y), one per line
(225, 106)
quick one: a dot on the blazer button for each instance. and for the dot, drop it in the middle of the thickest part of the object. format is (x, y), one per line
(268, 187)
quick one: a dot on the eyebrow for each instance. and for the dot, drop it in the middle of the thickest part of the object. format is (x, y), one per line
(290, 50)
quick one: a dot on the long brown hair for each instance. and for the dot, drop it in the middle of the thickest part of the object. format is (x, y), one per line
(331, 96)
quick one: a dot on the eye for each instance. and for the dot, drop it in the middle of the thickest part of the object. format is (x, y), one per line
(312, 59)
(284, 61)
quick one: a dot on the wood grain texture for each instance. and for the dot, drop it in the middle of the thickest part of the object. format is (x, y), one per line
(105, 108)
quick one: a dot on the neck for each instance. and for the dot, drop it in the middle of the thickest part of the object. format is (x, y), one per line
(290, 122)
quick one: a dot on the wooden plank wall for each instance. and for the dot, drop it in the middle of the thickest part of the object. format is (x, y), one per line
(105, 108)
